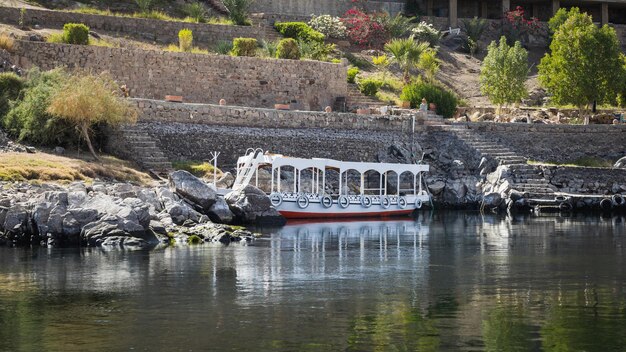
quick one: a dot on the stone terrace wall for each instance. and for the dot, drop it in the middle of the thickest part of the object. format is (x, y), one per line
(586, 180)
(155, 30)
(559, 143)
(165, 112)
(320, 7)
(309, 85)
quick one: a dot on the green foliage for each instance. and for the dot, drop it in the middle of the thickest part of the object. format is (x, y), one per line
(194, 239)
(560, 17)
(425, 32)
(316, 50)
(357, 61)
(269, 48)
(223, 47)
(28, 118)
(196, 11)
(185, 40)
(21, 21)
(238, 10)
(352, 73)
(6, 42)
(474, 30)
(11, 86)
(406, 53)
(399, 25)
(288, 49)
(144, 5)
(245, 47)
(584, 64)
(370, 86)
(75, 33)
(429, 63)
(445, 100)
(299, 31)
(196, 168)
(504, 72)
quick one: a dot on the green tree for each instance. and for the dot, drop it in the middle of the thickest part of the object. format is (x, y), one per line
(86, 100)
(429, 63)
(504, 72)
(560, 17)
(585, 63)
(406, 53)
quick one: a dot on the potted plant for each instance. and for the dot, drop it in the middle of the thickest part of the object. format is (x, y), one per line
(405, 104)
(363, 111)
(284, 105)
(432, 107)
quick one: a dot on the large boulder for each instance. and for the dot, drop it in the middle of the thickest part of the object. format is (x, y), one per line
(220, 212)
(251, 205)
(193, 189)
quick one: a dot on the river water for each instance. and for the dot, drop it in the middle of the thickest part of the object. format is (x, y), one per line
(441, 282)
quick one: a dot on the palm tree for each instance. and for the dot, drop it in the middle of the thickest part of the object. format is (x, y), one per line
(406, 53)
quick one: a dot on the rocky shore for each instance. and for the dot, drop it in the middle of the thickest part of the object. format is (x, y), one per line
(183, 210)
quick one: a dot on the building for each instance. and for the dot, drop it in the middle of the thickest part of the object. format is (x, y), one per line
(602, 11)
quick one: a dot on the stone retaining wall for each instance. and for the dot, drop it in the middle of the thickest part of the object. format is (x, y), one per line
(166, 32)
(317, 7)
(586, 180)
(199, 78)
(559, 143)
(165, 112)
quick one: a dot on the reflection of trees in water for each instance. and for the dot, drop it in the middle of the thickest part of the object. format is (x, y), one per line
(506, 328)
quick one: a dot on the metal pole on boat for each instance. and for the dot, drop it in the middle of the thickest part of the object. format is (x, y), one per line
(278, 181)
(324, 181)
(340, 176)
(362, 183)
(272, 181)
(398, 184)
(380, 185)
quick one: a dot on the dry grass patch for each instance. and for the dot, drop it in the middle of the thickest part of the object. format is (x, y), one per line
(47, 167)
(6, 42)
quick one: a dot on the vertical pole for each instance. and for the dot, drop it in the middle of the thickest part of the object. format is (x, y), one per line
(272, 181)
(556, 5)
(605, 13)
(380, 185)
(453, 13)
(506, 6)
(362, 183)
(398, 187)
(340, 176)
(414, 184)
(278, 181)
(324, 181)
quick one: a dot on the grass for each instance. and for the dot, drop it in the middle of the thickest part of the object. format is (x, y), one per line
(42, 167)
(58, 39)
(196, 168)
(154, 15)
(580, 162)
(6, 42)
(176, 49)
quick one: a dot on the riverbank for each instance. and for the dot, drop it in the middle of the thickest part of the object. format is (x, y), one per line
(114, 214)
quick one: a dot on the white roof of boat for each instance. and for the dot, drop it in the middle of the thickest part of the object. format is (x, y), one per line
(361, 167)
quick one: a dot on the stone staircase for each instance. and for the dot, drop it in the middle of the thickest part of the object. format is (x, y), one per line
(144, 150)
(525, 178)
(356, 99)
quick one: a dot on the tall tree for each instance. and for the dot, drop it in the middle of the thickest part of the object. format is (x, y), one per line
(85, 100)
(585, 63)
(504, 72)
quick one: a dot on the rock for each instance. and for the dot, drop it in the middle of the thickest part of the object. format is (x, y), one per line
(31, 150)
(220, 212)
(602, 119)
(436, 187)
(122, 190)
(193, 189)
(36, 37)
(226, 181)
(16, 220)
(486, 117)
(454, 193)
(59, 150)
(620, 164)
(251, 205)
(492, 200)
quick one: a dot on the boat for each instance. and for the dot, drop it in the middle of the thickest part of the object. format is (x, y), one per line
(325, 189)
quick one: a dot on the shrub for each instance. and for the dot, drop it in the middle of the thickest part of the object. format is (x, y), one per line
(75, 33)
(398, 26)
(144, 5)
(329, 26)
(85, 100)
(406, 53)
(364, 29)
(357, 61)
(474, 30)
(21, 21)
(315, 50)
(245, 46)
(185, 40)
(288, 49)
(6, 42)
(223, 47)
(352, 73)
(425, 32)
(299, 31)
(429, 63)
(370, 86)
(445, 100)
(194, 239)
(268, 48)
(10, 87)
(238, 11)
(28, 119)
(196, 11)
(516, 26)
(504, 72)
